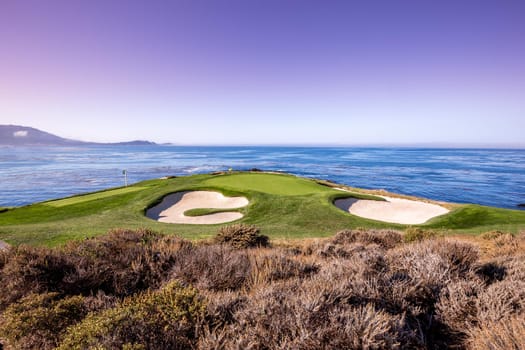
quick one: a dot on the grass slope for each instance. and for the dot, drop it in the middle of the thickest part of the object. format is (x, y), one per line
(276, 184)
(283, 206)
(92, 196)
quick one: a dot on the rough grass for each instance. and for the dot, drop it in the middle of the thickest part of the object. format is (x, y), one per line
(479, 219)
(282, 206)
(360, 289)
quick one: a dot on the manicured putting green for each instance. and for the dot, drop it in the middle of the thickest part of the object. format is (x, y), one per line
(277, 184)
(93, 196)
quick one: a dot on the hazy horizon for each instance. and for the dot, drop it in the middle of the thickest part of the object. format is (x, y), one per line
(339, 73)
(333, 145)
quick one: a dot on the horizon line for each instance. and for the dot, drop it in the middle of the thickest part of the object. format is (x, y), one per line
(468, 145)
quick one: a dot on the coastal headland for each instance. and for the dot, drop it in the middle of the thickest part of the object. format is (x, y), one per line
(282, 205)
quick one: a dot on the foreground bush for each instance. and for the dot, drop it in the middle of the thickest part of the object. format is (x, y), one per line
(215, 267)
(503, 335)
(384, 238)
(38, 320)
(416, 234)
(121, 263)
(294, 326)
(164, 319)
(241, 236)
(361, 289)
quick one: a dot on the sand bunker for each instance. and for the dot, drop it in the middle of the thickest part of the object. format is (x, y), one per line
(394, 210)
(173, 206)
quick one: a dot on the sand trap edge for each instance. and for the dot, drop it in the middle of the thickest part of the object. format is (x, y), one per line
(393, 210)
(173, 206)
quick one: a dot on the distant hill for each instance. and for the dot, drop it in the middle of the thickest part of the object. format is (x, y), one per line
(15, 135)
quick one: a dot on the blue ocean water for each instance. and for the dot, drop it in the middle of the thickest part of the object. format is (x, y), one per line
(484, 176)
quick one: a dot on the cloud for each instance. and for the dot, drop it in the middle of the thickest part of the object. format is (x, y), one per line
(21, 133)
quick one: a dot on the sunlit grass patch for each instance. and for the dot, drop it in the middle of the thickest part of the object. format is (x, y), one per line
(93, 196)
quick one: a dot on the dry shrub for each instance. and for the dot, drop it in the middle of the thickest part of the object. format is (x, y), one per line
(493, 235)
(420, 264)
(276, 265)
(359, 290)
(418, 273)
(458, 307)
(163, 319)
(508, 334)
(413, 285)
(38, 320)
(490, 272)
(504, 267)
(386, 239)
(361, 327)
(241, 236)
(416, 234)
(515, 267)
(3, 258)
(33, 270)
(123, 262)
(455, 258)
(100, 301)
(470, 306)
(460, 256)
(288, 316)
(500, 300)
(366, 263)
(220, 268)
(507, 244)
(502, 243)
(215, 267)
(120, 263)
(221, 307)
(348, 243)
(501, 239)
(340, 306)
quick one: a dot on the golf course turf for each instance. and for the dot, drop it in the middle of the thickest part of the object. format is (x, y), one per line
(282, 206)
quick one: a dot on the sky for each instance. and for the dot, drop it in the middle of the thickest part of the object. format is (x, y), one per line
(239, 72)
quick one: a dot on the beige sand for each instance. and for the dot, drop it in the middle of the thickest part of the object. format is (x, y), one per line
(3, 245)
(394, 210)
(173, 206)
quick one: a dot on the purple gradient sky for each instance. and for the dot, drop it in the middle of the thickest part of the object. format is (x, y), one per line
(266, 72)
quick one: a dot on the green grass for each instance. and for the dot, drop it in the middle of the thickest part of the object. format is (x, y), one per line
(93, 196)
(277, 184)
(282, 206)
(478, 219)
(207, 211)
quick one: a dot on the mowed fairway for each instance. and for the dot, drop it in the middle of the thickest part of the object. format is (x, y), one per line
(282, 206)
(92, 197)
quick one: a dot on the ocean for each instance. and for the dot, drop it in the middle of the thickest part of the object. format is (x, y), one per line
(493, 177)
